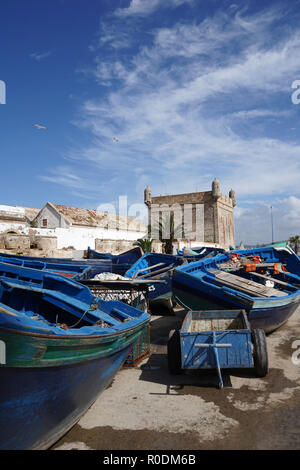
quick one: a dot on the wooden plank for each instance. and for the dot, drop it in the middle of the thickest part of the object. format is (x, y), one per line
(159, 271)
(269, 278)
(250, 286)
(247, 286)
(146, 269)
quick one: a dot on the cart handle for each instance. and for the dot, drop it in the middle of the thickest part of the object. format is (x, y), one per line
(215, 346)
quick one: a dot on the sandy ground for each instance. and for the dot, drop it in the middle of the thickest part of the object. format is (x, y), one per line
(147, 408)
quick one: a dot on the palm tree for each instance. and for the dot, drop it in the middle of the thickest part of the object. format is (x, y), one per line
(295, 241)
(145, 244)
(168, 233)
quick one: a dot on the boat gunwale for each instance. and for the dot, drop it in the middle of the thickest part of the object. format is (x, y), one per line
(76, 337)
(291, 296)
(204, 277)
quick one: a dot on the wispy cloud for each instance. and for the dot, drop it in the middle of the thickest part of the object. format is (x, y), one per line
(145, 7)
(40, 56)
(286, 220)
(112, 35)
(177, 102)
(63, 175)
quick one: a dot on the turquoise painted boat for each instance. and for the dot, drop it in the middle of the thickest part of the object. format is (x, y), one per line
(60, 346)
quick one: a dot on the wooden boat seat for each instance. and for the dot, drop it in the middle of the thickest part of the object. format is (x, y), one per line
(269, 278)
(56, 298)
(245, 285)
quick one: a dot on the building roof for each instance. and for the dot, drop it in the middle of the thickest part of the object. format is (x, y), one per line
(74, 216)
(31, 212)
(95, 218)
(77, 216)
(18, 213)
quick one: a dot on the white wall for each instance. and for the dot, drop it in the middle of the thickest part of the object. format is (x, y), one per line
(81, 237)
(78, 237)
(10, 226)
(12, 211)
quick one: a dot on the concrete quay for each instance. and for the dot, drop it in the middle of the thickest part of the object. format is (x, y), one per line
(146, 408)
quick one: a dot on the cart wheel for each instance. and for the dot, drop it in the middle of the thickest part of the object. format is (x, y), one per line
(260, 353)
(174, 353)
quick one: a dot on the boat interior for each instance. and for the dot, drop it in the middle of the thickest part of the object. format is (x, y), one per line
(57, 309)
(260, 279)
(150, 266)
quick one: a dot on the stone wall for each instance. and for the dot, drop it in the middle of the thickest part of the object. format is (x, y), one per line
(113, 246)
(225, 220)
(16, 243)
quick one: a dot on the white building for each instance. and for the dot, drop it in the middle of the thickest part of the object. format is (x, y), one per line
(73, 227)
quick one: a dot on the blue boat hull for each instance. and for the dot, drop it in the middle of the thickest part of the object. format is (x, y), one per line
(268, 319)
(127, 258)
(158, 293)
(160, 290)
(96, 266)
(39, 405)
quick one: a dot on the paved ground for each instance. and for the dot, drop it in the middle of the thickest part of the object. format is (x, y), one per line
(147, 408)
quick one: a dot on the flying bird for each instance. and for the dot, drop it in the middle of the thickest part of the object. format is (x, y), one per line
(40, 127)
(115, 139)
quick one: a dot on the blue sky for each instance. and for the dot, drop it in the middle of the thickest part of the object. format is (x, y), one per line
(192, 89)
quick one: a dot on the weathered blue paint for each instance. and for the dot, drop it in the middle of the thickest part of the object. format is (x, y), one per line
(62, 346)
(239, 355)
(147, 268)
(127, 258)
(96, 266)
(38, 405)
(74, 271)
(218, 348)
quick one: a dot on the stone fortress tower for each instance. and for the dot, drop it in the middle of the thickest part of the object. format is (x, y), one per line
(206, 217)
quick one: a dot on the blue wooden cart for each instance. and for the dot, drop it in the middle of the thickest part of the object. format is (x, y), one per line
(217, 339)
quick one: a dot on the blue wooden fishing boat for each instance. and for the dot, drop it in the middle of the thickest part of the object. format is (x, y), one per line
(96, 266)
(275, 254)
(73, 271)
(59, 348)
(198, 253)
(263, 281)
(156, 266)
(128, 257)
